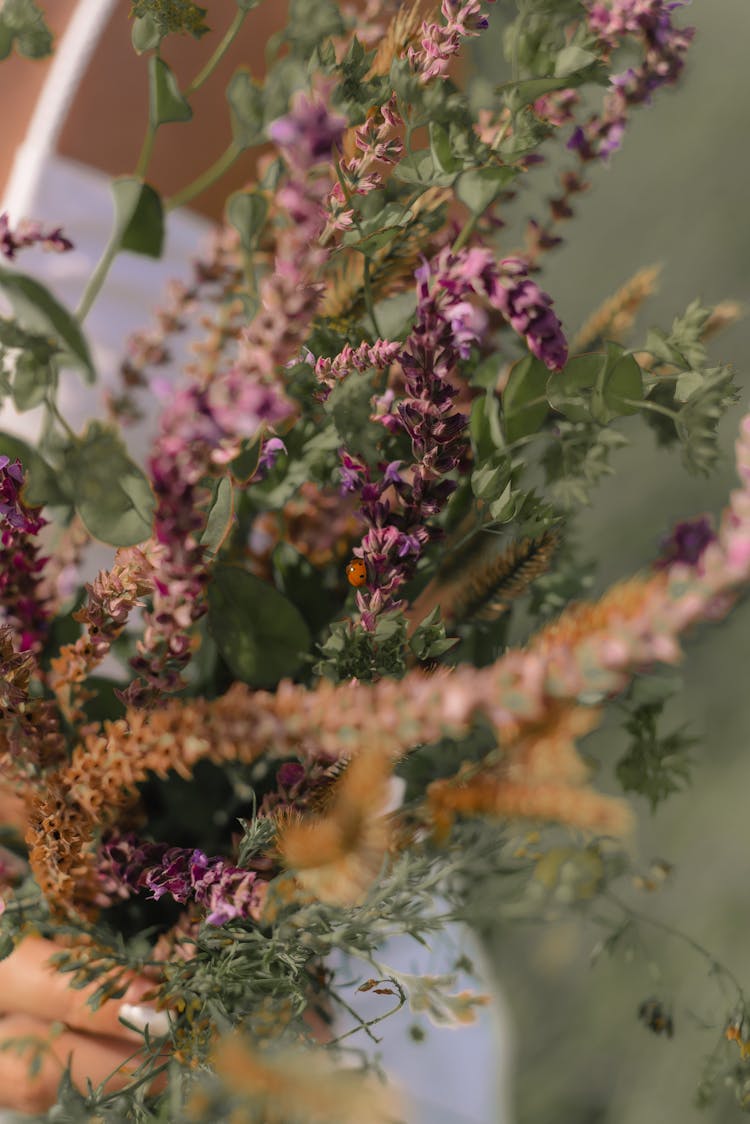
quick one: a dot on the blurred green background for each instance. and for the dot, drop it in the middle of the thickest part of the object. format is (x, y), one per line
(677, 194)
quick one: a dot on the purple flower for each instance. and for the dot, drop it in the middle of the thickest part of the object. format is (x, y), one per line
(226, 892)
(308, 132)
(687, 542)
(273, 447)
(20, 564)
(29, 233)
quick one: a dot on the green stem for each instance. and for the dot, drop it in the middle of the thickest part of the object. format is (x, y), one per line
(644, 404)
(206, 180)
(370, 304)
(205, 73)
(465, 234)
(52, 407)
(643, 918)
(98, 277)
(147, 149)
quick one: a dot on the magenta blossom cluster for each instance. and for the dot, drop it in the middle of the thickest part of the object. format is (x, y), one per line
(377, 143)
(225, 892)
(664, 47)
(203, 427)
(399, 505)
(200, 433)
(687, 542)
(30, 233)
(440, 42)
(20, 563)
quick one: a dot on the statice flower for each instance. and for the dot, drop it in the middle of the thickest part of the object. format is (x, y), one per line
(20, 564)
(29, 233)
(224, 892)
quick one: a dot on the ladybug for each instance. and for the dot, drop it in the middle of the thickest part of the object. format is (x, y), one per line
(356, 572)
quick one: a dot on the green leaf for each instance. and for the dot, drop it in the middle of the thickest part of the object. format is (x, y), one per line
(112, 495)
(442, 150)
(310, 22)
(146, 35)
(43, 485)
(31, 381)
(259, 633)
(22, 22)
(350, 406)
(572, 59)
(220, 516)
(478, 187)
(166, 103)
(247, 106)
(38, 311)
(523, 410)
(623, 387)
(490, 479)
(564, 387)
(698, 420)
(245, 464)
(429, 640)
(519, 94)
(247, 212)
(139, 217)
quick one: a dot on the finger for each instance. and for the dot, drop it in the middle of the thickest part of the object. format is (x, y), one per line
(30, 986)
(94, 1059)
(13, 811)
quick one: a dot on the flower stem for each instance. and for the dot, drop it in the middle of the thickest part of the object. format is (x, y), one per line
(206, 180)
(98, 277)
(205, 73)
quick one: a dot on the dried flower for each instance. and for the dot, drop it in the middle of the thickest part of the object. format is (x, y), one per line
(29, 233)
(20, 564)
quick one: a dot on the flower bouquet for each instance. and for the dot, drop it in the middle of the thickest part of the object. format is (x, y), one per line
(331, 683)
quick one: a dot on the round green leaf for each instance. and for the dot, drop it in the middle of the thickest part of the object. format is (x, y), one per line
(479, 186)
(166, 103)
(220, 516)
(43, 485)
(564, 387)
(139, 216)
(38, 311)
(112, 495)
(623, 387)
(247, 211)
(259, 633)
(524, 399)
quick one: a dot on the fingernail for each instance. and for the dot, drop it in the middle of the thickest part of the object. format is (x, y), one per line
(141, 1016)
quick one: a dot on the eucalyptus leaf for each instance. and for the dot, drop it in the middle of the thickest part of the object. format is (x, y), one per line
(112, 495)
(166, 103)
(247, 212)
(220, 516)
(478, 187)
(31, 381)
(43, 484)
(572, 59)
(139, 216)
(38, 311)
(245, 464)
(564, 387)
(247, 106)
(145, 34)
(524, 399)
(260, 634)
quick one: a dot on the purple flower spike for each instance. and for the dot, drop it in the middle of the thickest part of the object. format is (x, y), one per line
(687, 542)
(308, 132)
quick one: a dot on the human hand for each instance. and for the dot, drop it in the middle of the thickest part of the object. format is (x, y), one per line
(54, 1020)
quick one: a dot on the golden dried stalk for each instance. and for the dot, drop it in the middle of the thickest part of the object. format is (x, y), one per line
(486, 584)
(392, 266)
(614, 319)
